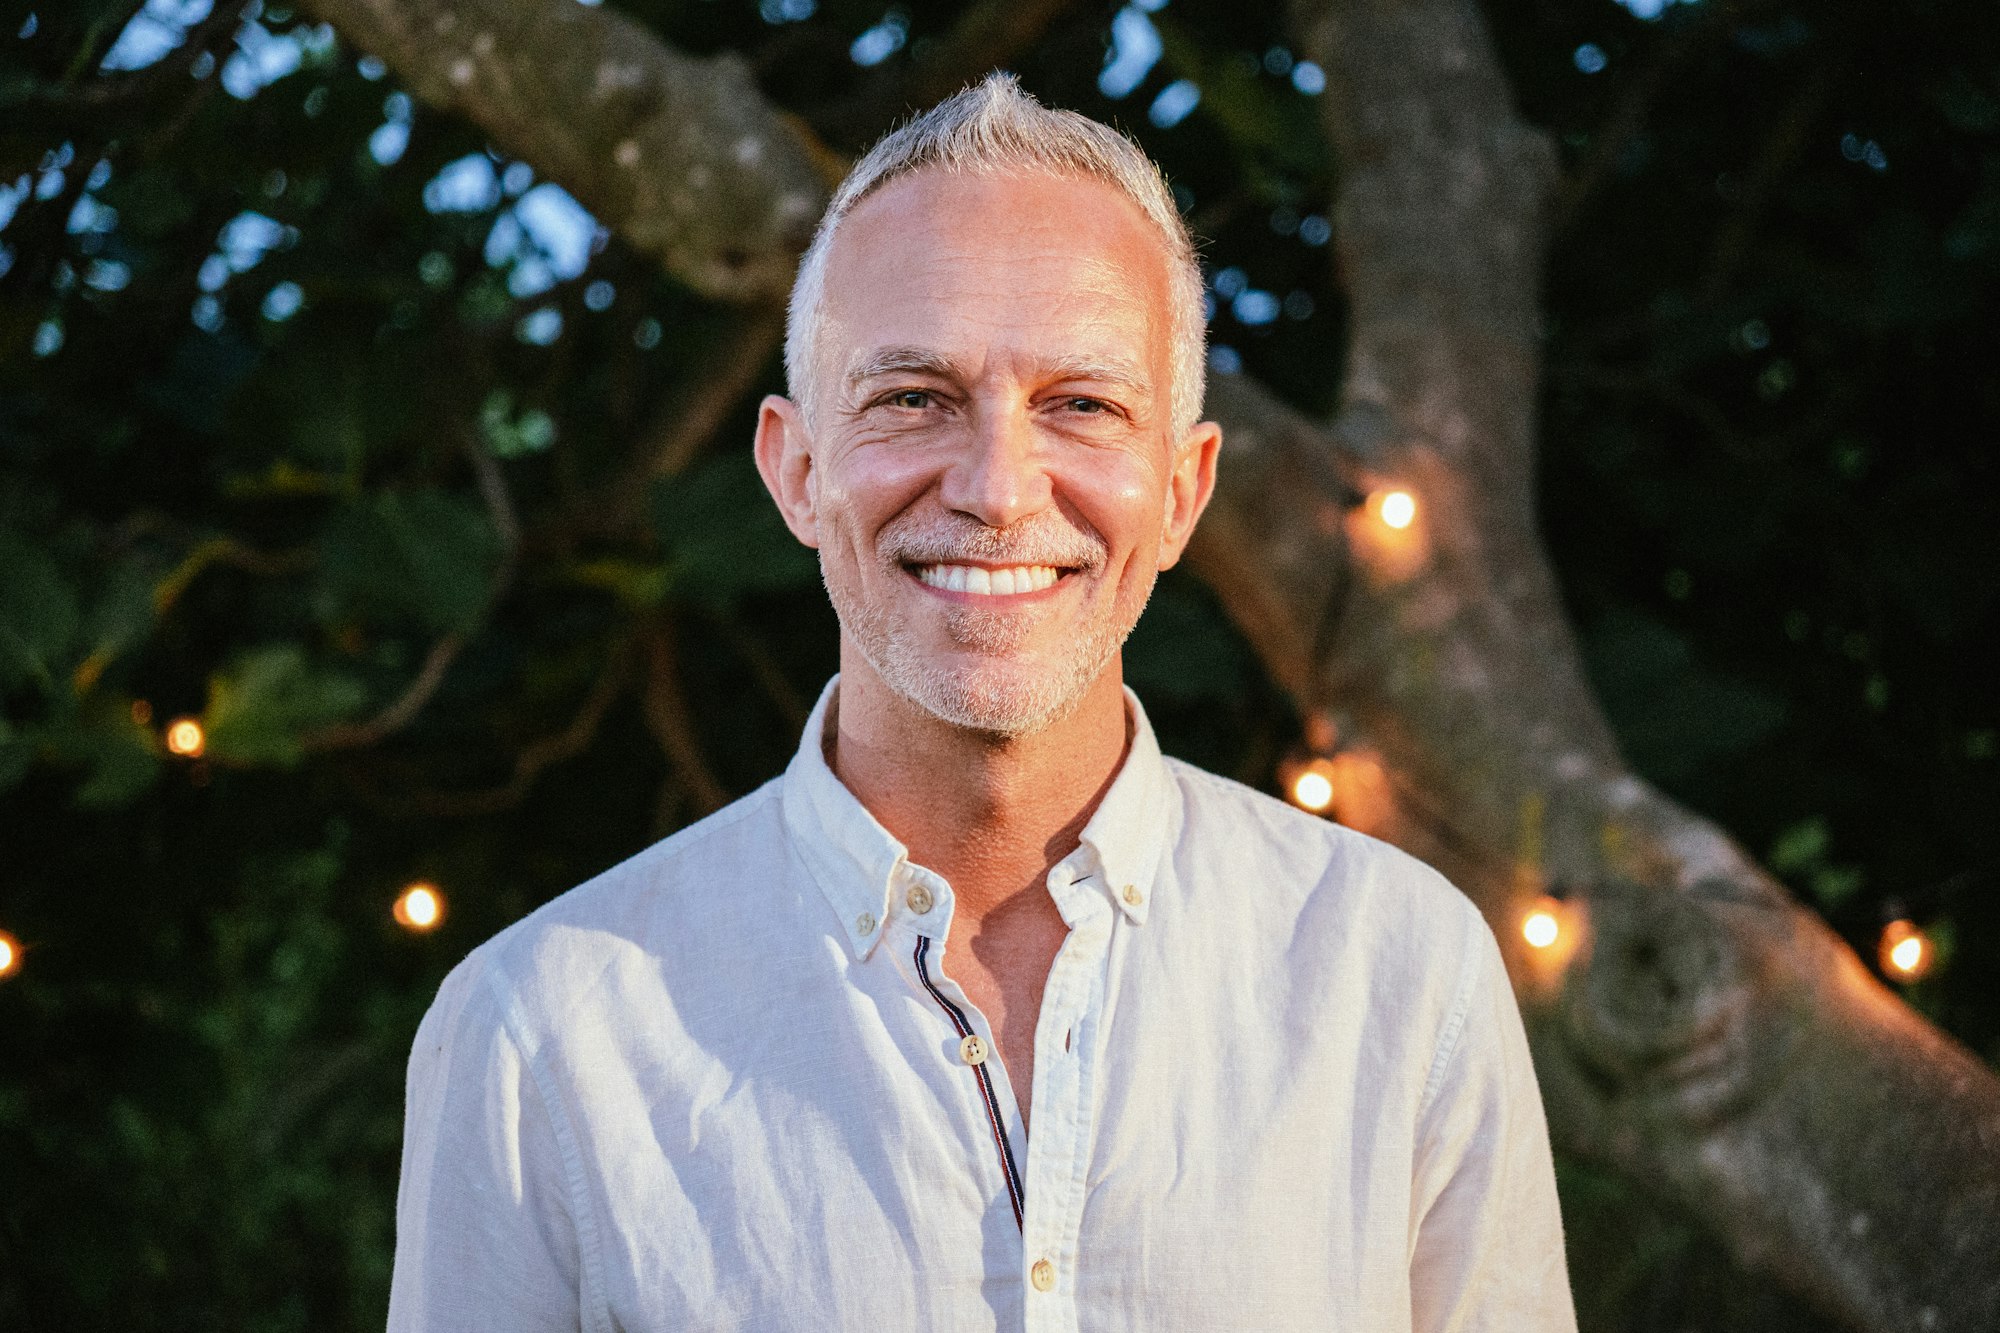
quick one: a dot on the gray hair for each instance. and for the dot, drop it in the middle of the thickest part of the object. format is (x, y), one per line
(995, 127)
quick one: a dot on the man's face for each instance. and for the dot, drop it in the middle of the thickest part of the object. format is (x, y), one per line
(992, 478)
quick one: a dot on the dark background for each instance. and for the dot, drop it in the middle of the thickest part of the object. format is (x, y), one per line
(260, 312)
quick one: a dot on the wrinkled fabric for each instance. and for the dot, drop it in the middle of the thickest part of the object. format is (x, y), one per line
(1280, 1082)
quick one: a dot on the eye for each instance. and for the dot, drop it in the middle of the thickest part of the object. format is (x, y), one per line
(914, 399)
(1085, 405)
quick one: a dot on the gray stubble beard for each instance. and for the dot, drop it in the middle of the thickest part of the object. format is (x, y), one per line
(970, 698)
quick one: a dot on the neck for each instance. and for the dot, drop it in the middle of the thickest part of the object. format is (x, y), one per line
(990, 813)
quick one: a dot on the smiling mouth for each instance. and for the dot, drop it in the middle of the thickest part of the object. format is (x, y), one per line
(984, 581)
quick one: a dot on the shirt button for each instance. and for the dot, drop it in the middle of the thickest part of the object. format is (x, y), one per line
(864, 923)
(919, 899)
(1133, 896)
(1043, 1275)
(973, 1049)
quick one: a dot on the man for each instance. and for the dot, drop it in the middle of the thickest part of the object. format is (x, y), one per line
(984, 1015)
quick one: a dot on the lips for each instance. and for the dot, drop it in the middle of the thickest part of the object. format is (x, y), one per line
(985, 581)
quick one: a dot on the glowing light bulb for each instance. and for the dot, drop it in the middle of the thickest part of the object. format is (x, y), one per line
(10, 955)
(1541, 929)
(1312, 791)
(419, 907)
(185, 738)
(1398, 509)
(1907, 954)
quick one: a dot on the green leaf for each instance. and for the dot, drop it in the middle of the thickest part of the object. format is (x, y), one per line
(423, 555)
(261, 709)
(38, 616)
(1799, 847)
(723, 535)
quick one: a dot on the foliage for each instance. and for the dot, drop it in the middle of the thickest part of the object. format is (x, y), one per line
(303, 388)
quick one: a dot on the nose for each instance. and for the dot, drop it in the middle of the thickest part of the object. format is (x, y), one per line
(998, 475)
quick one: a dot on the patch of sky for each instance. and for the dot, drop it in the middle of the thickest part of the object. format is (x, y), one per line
(1135, 49)
(11, 196)
(1650, 10)
(540, 327)
(1315, 230)
(599, 295)
(1309, 78)
(283, 301)
(547, 237)
(247, 238)
(206, 314)
(883, 40)
(203, 66)
(48, 338)
(369, 68)
(6, 260)
(517, 177)
(787, 11)
(90, 218)
(1254, 307)
(28, 27)
(467, 185)
(214, 272)
(1866, 151)
(1590, 58)
(158, 27)
(387, 144)
(100, 175)
(1174, 103)
(1230, 283)
(107, 275)
(262, 57)
(1224, 359)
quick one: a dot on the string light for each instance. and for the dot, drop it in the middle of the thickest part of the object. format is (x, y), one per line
(185, 738)
(10, 955)
(419, 907)
(1907, 952)
(1398, 509)
(1309, 784)
(1540, 928)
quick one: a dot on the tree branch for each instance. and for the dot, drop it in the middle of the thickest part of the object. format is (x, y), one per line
(683, 157)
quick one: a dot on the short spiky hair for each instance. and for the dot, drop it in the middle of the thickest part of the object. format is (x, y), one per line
(995, 127)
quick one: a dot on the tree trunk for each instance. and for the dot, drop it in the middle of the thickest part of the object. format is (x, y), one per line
(1694, 1027)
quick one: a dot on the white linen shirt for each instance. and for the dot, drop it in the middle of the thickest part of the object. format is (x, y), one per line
(1280, 1083)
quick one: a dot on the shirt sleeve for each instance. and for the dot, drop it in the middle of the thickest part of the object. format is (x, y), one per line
(1486, 1242)
(485, 1238)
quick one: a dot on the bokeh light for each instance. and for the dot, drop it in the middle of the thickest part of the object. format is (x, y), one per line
(1398, 509)
(1907, 952)
(419, 907)
(185, 738)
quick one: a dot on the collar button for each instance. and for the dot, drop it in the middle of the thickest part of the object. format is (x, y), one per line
(919, 899)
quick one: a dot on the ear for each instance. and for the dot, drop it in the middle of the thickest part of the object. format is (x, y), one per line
(785, 461)
(1189, 487)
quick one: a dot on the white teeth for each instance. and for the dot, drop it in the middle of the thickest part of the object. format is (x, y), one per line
(983, 582)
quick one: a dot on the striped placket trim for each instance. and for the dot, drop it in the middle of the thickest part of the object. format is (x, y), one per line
(958, 1021)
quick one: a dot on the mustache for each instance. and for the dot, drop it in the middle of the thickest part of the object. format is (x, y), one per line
(945, 539)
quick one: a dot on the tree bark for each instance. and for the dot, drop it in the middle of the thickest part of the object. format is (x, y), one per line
(1695, 1028)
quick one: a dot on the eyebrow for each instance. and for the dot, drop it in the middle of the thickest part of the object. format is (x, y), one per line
(920, 361)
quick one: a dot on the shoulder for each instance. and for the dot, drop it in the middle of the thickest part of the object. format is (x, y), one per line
(598, 935)
(1296, 853)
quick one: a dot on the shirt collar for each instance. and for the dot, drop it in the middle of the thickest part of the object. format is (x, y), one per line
(857, 863)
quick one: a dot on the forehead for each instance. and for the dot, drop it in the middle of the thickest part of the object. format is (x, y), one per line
(1026, 267)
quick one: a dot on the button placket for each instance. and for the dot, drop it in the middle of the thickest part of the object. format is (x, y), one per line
(1060, 1144)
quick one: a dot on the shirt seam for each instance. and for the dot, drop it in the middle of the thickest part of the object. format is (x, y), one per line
(1454, 1028)
(596, 1311)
